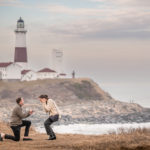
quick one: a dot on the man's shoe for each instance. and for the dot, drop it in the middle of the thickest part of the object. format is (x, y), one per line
(1, 139)
(27, 139)
(52, 138)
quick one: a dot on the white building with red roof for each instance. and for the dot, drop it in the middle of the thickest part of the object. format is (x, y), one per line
(18, 70)
(46, 73)
(28, 75)
(62, 75)
(9, 70)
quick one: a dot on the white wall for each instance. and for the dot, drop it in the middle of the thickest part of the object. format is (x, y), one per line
(20, 39)
(24, 66)
(13, 71)
(0, 75)
(2, 72)
(46, 75)
(62, 76)
(29, 76)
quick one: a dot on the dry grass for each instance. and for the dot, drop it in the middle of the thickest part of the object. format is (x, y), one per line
(133, 140)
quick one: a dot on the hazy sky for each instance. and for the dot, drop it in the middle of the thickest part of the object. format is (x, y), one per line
(106, 40)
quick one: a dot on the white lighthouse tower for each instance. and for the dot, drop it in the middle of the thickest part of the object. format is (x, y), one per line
(20, 47)
(57, 60)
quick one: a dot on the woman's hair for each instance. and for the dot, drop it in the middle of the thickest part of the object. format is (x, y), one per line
(44, 96)
(18, 100)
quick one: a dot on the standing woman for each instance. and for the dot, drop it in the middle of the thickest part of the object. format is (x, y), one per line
(50, 106)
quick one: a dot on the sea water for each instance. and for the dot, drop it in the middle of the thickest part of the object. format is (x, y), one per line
(94, 129)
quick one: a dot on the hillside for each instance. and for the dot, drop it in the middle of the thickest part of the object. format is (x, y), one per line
(80, 101)
(133, 140)
(63, 90)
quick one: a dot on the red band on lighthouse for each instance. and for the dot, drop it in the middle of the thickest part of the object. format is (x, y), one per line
(20, 54)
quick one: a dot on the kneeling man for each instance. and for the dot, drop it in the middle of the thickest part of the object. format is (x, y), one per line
(17, 122)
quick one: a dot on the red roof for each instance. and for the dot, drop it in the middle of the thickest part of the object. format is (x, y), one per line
(6, 64)
(25, 71)
(46, 70)
(62, 74)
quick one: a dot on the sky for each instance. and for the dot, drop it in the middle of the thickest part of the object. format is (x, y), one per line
(106, 40)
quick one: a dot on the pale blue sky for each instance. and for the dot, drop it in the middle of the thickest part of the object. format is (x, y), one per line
(106, 40)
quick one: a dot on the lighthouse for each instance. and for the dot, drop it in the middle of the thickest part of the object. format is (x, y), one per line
(20, 57)
(57, 60)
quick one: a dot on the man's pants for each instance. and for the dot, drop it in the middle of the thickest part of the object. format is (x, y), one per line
(47, 124)
(16, 130)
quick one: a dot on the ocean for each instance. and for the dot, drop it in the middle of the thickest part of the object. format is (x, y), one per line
(94, 129)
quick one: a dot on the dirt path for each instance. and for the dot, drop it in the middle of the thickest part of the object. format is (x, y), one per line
(135, 140)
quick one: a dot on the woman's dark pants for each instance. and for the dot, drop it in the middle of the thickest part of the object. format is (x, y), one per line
(47, 124)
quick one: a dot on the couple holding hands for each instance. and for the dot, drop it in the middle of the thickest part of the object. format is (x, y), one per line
(17, 115)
